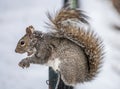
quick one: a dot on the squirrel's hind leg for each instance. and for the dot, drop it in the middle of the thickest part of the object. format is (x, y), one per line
(67, 74)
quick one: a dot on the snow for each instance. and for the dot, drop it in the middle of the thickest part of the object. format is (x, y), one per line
(16, 15)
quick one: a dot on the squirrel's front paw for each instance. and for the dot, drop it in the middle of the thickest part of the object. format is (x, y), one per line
(24, 63)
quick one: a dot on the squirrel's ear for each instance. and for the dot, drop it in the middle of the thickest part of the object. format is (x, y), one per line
(29, 30)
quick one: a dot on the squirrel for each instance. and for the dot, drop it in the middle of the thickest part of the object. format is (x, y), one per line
(72, 50)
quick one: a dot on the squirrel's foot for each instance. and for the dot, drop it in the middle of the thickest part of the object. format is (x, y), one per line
(24, 63)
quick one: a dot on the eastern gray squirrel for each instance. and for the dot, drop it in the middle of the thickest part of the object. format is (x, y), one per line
(71, 49)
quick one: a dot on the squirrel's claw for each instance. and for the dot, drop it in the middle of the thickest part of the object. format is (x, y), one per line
(24, 63)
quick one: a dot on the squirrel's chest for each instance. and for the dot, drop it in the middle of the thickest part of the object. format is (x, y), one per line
(54, 64)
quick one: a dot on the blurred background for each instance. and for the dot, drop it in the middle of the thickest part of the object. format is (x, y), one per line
(16, 15)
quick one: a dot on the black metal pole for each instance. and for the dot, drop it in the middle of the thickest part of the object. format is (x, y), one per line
(65, 1)
(53, 77)
(73, 3)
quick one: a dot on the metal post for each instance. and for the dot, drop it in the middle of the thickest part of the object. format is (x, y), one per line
(65, 1)
(53, 77)
(73, 3)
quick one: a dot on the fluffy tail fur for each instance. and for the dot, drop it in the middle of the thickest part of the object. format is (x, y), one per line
(71, 24)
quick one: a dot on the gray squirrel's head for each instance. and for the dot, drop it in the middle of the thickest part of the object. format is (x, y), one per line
(28, 41)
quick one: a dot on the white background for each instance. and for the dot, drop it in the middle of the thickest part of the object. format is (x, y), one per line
(16, 15)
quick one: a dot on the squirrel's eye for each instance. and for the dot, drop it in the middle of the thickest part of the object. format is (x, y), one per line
(22, 43)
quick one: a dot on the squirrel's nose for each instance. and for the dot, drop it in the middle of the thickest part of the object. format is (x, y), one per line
(16, 50)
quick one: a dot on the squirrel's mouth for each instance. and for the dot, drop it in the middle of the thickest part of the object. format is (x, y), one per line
(21, 52)
(18, 51)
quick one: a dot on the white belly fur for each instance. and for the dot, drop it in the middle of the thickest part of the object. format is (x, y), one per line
(54, 64)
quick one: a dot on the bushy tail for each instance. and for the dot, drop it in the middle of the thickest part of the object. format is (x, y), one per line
(70, 23)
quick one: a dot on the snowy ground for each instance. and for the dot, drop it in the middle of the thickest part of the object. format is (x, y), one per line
(16, 15)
